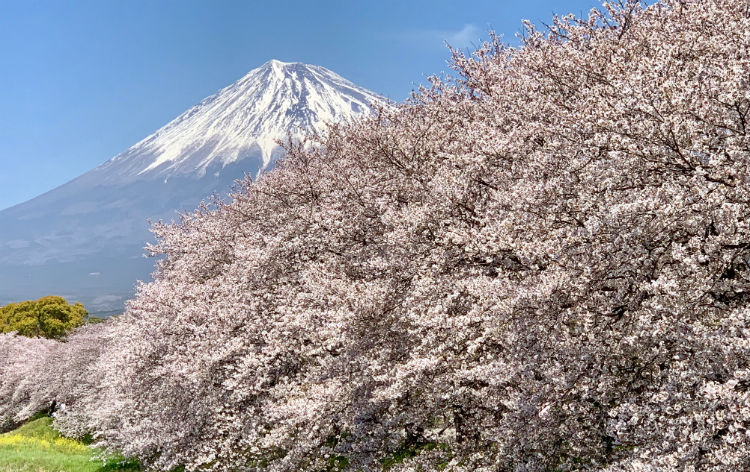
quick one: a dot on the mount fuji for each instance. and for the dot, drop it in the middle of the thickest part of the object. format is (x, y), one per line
(84, 240)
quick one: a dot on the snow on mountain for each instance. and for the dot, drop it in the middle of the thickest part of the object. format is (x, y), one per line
(243, 121)
(84, 239)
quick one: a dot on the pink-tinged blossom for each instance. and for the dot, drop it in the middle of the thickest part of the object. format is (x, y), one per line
(23, 367)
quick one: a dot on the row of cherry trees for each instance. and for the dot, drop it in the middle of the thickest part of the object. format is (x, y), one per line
(542, 265)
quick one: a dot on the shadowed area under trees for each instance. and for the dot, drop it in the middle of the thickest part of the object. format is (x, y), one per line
(541, 265)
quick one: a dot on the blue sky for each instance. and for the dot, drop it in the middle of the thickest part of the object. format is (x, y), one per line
(81, 81)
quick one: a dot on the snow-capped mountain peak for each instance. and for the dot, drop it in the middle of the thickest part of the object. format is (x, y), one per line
(85, 238)
(244, 121)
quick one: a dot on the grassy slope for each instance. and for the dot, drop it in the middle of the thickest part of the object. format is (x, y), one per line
(36, 447)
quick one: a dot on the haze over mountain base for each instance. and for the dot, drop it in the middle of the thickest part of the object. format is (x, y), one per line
(86, 243)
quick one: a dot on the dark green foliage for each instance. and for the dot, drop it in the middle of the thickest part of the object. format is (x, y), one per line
(337, 464)
(407, 451)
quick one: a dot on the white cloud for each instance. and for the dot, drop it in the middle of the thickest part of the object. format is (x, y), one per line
(467, 37)
(18, 244)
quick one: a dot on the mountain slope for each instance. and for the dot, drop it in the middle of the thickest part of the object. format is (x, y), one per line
(84, 239)
(243, 121)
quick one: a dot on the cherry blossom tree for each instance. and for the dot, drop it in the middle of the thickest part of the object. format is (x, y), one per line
(22, 370)
(540, 265)
(54, 376)
(75, 377)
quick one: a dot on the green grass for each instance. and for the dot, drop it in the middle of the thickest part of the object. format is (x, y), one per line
(36, 447)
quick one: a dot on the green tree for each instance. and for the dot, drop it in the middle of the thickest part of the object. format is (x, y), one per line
(49, 317)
